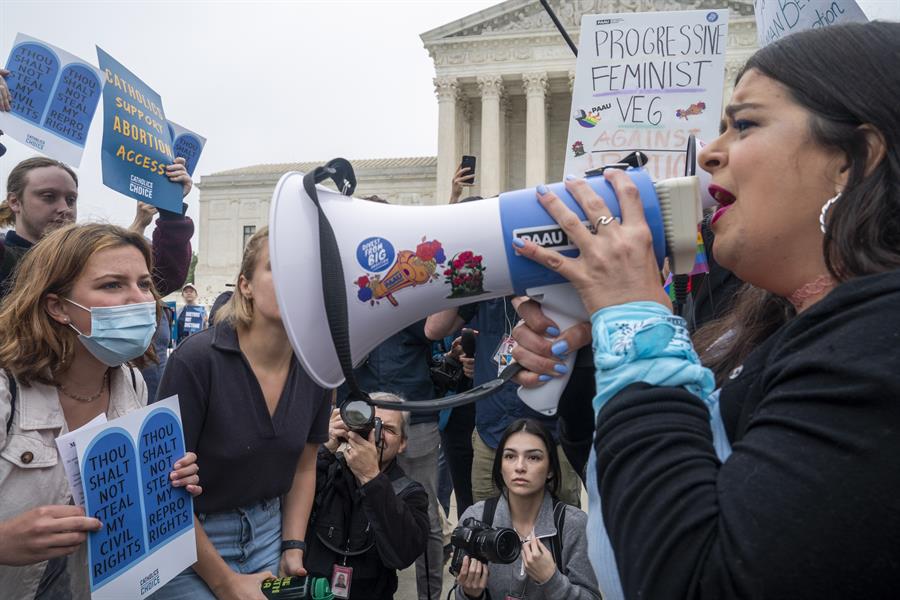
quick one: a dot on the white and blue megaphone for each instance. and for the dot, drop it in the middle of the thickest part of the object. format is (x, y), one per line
(399, 264)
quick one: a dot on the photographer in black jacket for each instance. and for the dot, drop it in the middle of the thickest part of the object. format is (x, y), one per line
(369, 519)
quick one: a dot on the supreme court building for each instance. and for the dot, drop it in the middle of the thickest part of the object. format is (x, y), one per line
(503, 86)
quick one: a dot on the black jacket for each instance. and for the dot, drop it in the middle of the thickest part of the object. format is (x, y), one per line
(388, 515)
(808, 503)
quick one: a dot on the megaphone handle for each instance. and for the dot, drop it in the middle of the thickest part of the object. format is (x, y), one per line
(545, 398)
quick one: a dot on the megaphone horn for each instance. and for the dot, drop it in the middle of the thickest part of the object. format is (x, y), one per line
(403, 263)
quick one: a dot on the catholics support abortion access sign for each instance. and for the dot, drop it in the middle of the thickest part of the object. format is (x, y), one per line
(137, 140)
(54, 96)
(646, 81)
(148, 525)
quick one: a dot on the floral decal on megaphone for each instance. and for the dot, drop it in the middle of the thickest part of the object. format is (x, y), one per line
(465, 274)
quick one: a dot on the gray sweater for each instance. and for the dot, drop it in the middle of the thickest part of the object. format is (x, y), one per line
(511, 580)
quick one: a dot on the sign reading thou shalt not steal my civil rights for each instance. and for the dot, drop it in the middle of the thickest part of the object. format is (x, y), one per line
(148, 526)
(137, 141)
(54, 96)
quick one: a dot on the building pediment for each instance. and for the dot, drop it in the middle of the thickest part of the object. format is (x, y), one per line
(525, 16)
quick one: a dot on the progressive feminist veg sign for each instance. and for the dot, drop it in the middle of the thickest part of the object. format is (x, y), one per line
(54, 97)
(646, 81)
(148, 535)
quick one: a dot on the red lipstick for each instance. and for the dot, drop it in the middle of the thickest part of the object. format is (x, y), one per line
(724, 198)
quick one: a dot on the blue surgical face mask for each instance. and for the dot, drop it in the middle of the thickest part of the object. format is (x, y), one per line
(118, 333)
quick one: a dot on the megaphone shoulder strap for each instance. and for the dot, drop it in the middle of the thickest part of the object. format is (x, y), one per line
(341, 172)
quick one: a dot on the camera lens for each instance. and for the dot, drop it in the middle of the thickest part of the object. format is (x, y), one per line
(358, 414)
(507, 546)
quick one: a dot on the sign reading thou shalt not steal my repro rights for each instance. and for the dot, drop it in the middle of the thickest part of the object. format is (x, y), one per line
(148, 525)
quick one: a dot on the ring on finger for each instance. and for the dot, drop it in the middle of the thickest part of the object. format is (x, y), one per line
(602, 220)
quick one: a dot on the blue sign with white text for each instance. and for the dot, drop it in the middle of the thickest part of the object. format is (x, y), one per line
(53, 98)
(188, 145)
(112, 495)
(168, 509)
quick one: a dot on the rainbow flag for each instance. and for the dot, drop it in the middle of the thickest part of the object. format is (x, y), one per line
(700, 264)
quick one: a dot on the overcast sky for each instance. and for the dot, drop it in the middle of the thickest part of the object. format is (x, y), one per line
(264, 82)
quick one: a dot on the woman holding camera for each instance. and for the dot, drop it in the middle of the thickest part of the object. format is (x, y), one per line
(526, 471)
(258, 419)
(783, 484)
(81, 309)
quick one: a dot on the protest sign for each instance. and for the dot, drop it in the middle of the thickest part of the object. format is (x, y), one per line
(188, 145)
(778, 18)
(148, 526)
(646, 81)
(137, 142)
(54, 96)
(68, 455)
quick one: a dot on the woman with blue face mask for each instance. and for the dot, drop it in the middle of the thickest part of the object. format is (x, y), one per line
(81, 310)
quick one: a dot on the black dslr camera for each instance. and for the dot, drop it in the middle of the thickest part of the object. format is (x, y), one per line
(359, 416)
(483, 543)
(447, 372)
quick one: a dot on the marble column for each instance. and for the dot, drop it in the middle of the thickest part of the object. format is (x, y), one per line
(505, 110)
(536, 88)
(490, 170)
(447, 91)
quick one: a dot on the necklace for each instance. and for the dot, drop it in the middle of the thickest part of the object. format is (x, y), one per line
(810, 290)
(85, 399)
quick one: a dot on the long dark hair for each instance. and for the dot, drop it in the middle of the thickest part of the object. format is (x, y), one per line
(533, 427)
(847, 77)
(834, 73)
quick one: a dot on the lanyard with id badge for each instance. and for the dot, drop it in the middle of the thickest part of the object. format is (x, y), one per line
(502, 356)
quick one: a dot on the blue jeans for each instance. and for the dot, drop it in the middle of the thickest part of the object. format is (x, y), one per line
(248, 540)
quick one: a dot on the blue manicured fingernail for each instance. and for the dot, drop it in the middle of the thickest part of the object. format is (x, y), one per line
(518, 242)
(571, 177)
(552, 331)
(542, 189)
(559, 348)
(561, 369)
(544, 378)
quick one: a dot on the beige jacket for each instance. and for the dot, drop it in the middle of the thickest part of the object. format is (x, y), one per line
(31, 473)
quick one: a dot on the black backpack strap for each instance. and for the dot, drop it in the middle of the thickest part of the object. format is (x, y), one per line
(133, 378)
(490, 507)
(13, 392)
(559, 519)
(401, 483)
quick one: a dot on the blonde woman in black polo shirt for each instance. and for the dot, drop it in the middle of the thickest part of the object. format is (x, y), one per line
(259, 419)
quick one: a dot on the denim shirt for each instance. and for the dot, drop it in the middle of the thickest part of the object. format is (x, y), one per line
(494, 413)
(400, 365)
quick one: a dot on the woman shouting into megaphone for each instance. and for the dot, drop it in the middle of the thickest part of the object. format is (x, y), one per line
(782, 483)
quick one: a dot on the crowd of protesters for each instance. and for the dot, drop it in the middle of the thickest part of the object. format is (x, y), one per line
(750, 456)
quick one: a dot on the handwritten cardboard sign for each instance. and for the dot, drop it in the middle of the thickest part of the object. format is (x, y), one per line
(646, 81)
(148, 526)
(137, 142)
(778, 18)
(54, 97)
